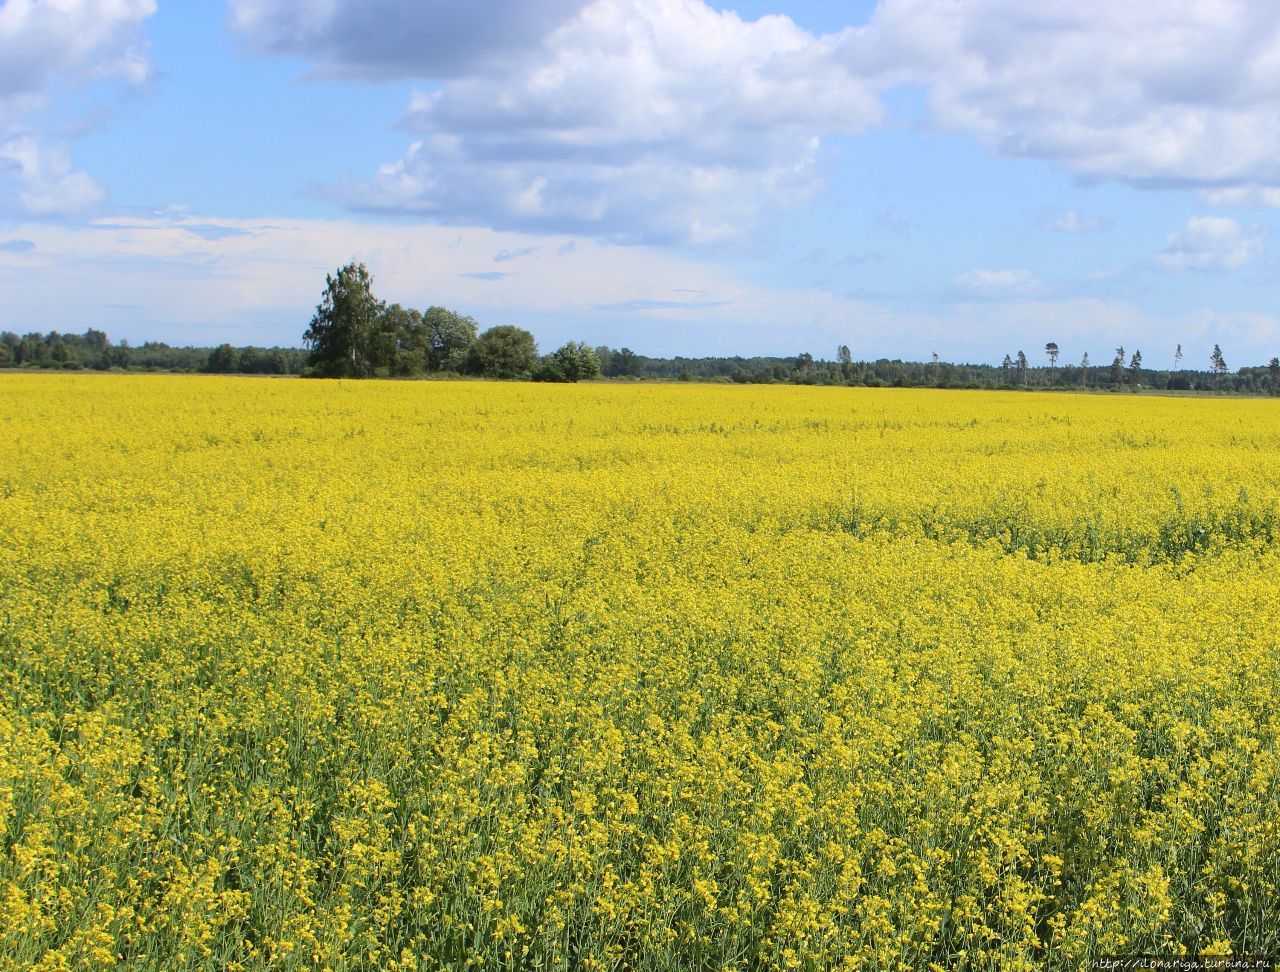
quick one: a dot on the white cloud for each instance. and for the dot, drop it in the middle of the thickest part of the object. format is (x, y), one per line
(43, 43)
(1177, 93)
(998, 283)
(643, 120)
(198, 279)
(257, 281)
(667, 120)
(1209, 243)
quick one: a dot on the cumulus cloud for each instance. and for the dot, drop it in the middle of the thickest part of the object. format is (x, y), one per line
(43, 43)
(640, 120)
(1178, 93)
(69, 40)
(1209, 243)
(668, 120)
(998, 283)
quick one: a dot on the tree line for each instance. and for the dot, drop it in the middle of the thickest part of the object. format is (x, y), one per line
(354, 334)
(1129, 372)
(94, 350)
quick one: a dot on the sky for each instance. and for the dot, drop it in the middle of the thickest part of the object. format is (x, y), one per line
(963, 177)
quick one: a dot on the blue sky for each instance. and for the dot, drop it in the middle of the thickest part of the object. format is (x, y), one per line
(914, 176)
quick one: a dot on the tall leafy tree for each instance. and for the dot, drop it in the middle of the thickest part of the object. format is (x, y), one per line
(223, 360)
(449, 338)
(844, 358)
(402, 341)
(342, 337)
(574, 361)
(504, 352)
(581, 361)
(625, 363)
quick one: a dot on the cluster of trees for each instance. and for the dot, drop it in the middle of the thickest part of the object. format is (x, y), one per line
(91, 349)
(228, 360)
(353, 334)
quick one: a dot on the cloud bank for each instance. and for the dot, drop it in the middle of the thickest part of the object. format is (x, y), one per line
(257, 282)
(667, 120)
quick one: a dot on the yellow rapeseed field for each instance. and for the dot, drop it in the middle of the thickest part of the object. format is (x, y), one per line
(468, 675)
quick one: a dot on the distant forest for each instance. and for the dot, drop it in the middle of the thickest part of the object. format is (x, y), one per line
(354, 334)
(94, 350)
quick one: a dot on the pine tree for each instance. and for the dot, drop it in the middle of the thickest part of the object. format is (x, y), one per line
(1219, 367)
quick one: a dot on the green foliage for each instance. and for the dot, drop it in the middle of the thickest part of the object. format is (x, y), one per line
(574, 361)
(223, 360)
(1219, 366)
(353, 334)
(503, 352)
(623, 363)
(844, 358)
(1117, 368)
(345, 337)
(448, 339)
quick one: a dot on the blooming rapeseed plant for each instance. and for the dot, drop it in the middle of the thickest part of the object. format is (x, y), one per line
(427, 675)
